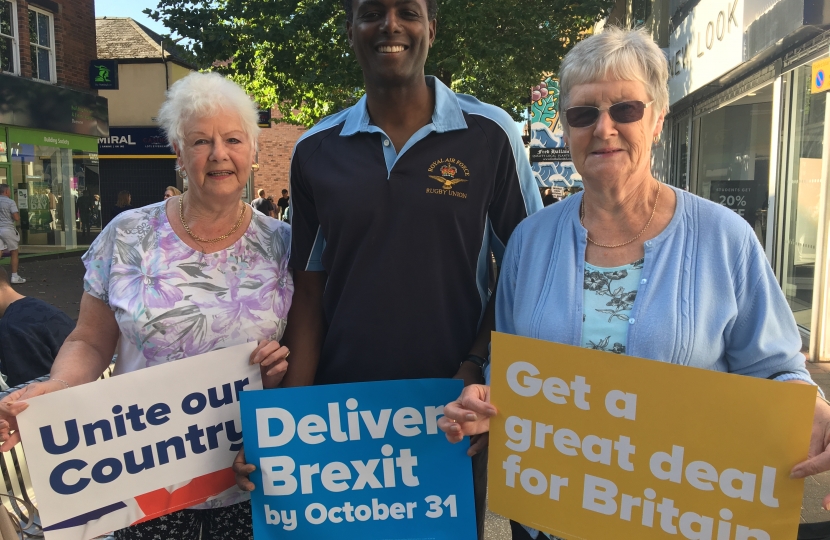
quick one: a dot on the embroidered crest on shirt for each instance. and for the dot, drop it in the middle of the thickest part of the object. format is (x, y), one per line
(451, 173)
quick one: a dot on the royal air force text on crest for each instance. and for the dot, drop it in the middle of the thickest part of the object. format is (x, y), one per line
(451, 174)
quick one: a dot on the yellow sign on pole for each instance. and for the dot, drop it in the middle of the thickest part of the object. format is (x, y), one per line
(821, 76)
(593, 445)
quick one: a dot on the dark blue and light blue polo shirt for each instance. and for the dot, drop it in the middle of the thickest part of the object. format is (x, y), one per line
(404, 236)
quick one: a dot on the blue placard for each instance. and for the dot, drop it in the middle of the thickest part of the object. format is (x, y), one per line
(362, 460)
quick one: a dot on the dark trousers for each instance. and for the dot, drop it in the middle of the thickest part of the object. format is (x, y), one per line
(480, 490)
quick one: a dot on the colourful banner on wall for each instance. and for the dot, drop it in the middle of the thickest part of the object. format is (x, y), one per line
(123, 450)
(594, 445)
(362, 460)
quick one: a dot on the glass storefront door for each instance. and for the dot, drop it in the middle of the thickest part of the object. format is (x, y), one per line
(57, 188)
(801, 188)
(41, 176)
(734, 157)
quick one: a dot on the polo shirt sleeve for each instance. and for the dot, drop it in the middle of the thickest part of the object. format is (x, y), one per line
(307, 241)
(764, 340)
(516, 195)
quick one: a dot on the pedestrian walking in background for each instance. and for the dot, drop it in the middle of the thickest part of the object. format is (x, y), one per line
(211, 124)
(262, 204)
(123, 203)
(395, 204)
(84, 206)
(96, 210)
(283, 205)
(31, 334)
(548, 199)
(9, 217)
(53, 207)
(627, 254)
(171, 191)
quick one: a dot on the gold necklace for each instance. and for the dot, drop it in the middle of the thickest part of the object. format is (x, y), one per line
(208, 240)
(582, 221)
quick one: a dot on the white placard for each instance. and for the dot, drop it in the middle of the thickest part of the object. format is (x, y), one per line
(79, 441)
(22, 199)
(705, 45)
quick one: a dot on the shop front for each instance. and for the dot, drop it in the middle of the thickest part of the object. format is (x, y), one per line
(747, 131)
(49, 157)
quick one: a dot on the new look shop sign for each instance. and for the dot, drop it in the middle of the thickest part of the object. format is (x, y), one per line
(362, 460)
(705, 45)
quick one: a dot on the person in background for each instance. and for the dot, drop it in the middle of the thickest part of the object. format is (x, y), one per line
(31, 334)
(263, 204)
(96, 210)
(84, 207)
(123, 203)
(143, 298)
(53, 207)
(9, 216)
(639, 268)
(548, 198)
(282, 205)
(171, 191)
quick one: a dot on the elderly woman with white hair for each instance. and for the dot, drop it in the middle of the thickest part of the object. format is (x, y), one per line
(195, 273)
(632, 266)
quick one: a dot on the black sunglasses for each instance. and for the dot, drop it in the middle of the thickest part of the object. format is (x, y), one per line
(623, 112)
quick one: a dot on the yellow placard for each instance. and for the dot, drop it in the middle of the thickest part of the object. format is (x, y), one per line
(593, 445)
(821, 76)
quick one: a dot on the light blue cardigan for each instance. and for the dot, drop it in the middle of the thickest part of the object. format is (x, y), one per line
(707, 296)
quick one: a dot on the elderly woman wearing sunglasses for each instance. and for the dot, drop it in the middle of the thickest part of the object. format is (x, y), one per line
(631, 266)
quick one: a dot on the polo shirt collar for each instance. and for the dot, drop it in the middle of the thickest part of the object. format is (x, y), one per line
(447, 115)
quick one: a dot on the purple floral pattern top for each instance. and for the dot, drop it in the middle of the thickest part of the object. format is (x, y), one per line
(172, 302)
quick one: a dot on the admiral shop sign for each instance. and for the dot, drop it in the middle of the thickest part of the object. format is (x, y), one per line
(705, 45)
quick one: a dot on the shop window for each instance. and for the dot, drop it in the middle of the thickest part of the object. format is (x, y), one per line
(801, 184)
(734, 157)
(640, 12)
(41, 37)
(8, 37)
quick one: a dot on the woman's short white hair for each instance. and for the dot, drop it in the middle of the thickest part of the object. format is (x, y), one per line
(201, 95)
(623, 55)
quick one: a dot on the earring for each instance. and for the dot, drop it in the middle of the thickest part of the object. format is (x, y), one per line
(183, 174)
(255, 167)
(656, 139)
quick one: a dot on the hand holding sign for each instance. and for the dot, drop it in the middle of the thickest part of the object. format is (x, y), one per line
(362, 460)
(596, 445)
(469, 415)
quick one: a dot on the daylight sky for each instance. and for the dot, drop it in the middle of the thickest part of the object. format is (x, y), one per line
(130, 8)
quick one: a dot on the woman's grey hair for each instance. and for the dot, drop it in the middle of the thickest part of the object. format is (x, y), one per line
(623, 55)
(201, 95)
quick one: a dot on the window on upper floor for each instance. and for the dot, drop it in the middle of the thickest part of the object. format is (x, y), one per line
(8, 37)
(42, 40)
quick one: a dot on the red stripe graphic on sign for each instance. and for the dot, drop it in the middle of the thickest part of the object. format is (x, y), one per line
(162, 502)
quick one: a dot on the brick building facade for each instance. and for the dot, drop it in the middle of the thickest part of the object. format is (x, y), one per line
(275, 146)
(73, 24)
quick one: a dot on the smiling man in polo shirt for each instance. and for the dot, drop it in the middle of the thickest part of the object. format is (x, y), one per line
(396, 204)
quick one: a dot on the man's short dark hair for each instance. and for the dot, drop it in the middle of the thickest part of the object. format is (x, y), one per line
(4, 188)
(432, 9)
(4, 278)
(285, 191)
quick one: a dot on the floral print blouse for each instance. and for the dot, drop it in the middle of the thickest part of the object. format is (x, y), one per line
(172, 302)
(609, 295)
